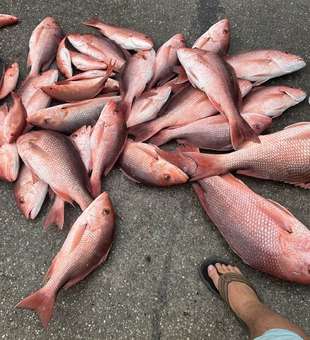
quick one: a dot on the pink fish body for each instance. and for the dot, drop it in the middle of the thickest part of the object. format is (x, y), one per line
(7, 20)
(124, 37)
(29, 193)
(261, 65)
(281, 156)
(272, 101)
(81, 139)
(85, 62)
(63, 59)
(216, 39)
(85, 248)
(89, 75)
(9, 162)
(3, 113)
(10, 80)
(262, 232)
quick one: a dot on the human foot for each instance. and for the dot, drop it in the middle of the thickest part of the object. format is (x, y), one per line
(240, 295)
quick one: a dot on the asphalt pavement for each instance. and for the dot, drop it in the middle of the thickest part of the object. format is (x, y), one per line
(149, 287)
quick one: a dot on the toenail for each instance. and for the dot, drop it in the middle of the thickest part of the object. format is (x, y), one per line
(210, 268)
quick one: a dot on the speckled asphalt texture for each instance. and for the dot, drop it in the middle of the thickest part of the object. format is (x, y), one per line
(149, 287)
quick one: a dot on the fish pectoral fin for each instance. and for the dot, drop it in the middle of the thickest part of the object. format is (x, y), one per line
(150, 150)
(78, 235)
(283, 221)
(281, 207)
(63, 195)
(129, 176)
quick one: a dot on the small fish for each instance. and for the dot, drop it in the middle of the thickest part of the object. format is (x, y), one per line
(67, 118)
(63, 58)
(136, 74)
(141, 163)
(272, 101)
(211, 74)
(87, 246)
(262, 232)
(210, 133)
(81, 139)
(126, 38)
(53, 158)
(89, 75)
(77, 90)
(186, 106)
(85, 62)
(281, 156)
(29, 193)
(166, 60)
(108, 138)
(261, 65)
(111, 86)
(9, 80)
(100, 48)
(147, 106)
(15, 121)
(7, 20)
(216, 39)
(42, 47)
(9, 162)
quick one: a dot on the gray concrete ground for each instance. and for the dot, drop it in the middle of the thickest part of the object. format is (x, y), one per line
(149, 288)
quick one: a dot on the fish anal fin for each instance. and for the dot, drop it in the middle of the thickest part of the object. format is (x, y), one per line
(129, 176)
(62, 195)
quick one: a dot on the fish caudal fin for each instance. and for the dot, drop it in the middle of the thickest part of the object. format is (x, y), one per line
(95, 186)
(161, 137)
(240, 131)
(144, 131)
(42, 302)
(94, 21)
(207, 165)
(56, 214)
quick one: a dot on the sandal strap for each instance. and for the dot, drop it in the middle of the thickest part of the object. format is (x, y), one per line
(226, 279)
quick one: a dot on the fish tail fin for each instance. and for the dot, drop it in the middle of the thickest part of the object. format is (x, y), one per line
(95, 186)
(162, 137)
(42, 302)
(56, 214)
(125, 107)
(94, 21)
(206, 165)
(144, 131)
(240, 131)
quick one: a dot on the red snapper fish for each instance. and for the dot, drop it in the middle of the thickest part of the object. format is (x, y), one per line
(124, 37)
(63, 58)
(85, 62)
(9, 162)
(87, 246)
(9, 80)
(7, 20)
(211, 74)
(216, 39)
(262, 232)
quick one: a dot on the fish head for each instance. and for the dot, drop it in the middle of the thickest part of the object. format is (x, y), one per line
(287, 62)
(47, 117)
(178, 41)
(296, 95)
(50, 23)
(78, 40)
(147, 55)
(168, 174)
(24, 142)
(81, 137)
(100, 212)
(29, 201)
(144, 44)
(9, 162)
(13, 69)
(162, 92)
(220, 31)
(258, 123)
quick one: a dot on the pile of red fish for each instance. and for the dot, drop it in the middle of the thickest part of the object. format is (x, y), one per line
(126, 95)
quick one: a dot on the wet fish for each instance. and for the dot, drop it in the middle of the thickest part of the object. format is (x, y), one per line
(125, 37)
(166, 59)
(77, 90)
(98, 47)
(261, 65)
(216, 39)
(81, 139)
(53, 158)
(111, 86)
(210, 73)
(186, 106)
(210, 133)
(136, 74)
(85, 62)
(89, 75)
(46, 78)
(108, 138)
(9, 162)
(262, 232)
(7, 20)
(29, 193)
(42, 47)
(63, 58)
(272, 101)
(147, 106)
(141, 163)
(9, 80)
(39, 101)
(281, 156)
(15, 121)
(3, 113)
(67, 118)
(85, 248)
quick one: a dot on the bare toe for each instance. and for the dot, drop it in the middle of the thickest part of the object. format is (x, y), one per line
(220, 268)
(212, 272)
(237, 270)
(231, 268)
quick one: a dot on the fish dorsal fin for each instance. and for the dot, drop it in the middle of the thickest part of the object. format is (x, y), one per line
(284, 222)
(150, 150)
(78, 235)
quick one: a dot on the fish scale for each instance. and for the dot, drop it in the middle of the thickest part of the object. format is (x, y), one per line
(254, 228)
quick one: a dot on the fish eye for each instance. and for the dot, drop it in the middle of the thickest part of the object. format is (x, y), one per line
(116, 111)
(106, 211)
(21, 201)
(12, 134)
(225, 31)
(257, 127)
(46, 120)
(74, 135)
(285, 52)
(167, 177)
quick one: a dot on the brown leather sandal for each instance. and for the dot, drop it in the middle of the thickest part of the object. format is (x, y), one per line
(224, 281)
